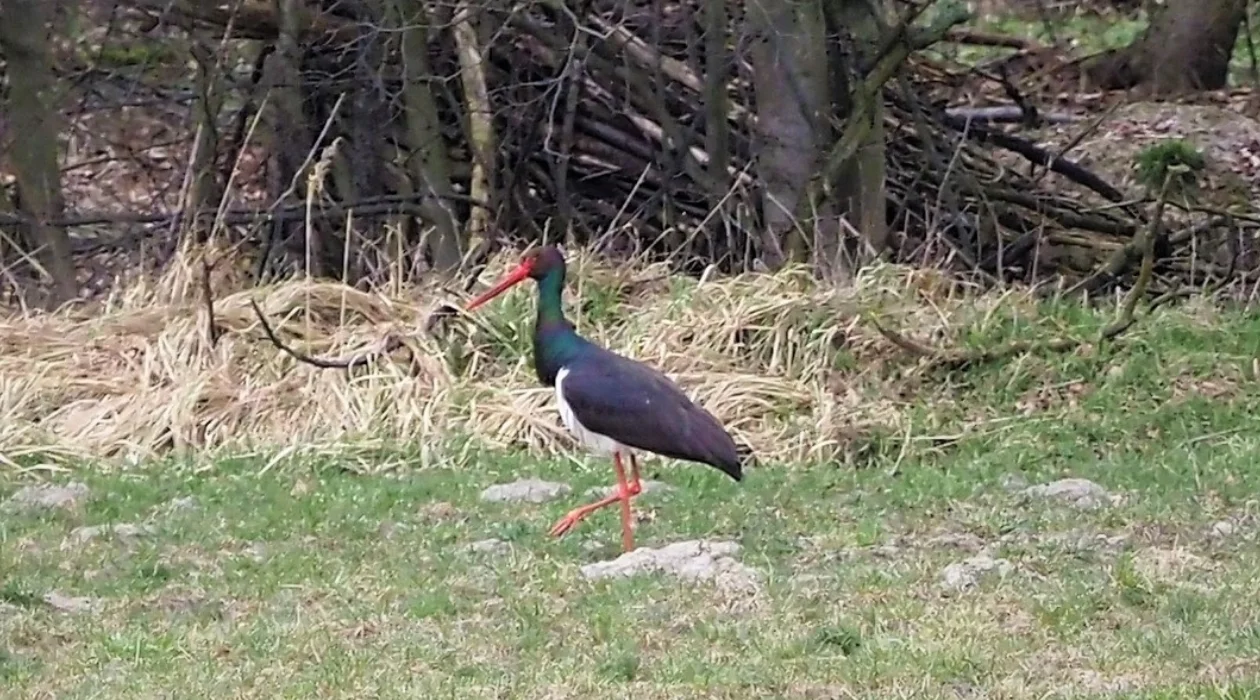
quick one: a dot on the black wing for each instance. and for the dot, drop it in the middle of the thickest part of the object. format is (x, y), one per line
(641, 408)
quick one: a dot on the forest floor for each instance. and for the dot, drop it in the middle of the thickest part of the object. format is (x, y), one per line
(924, 567)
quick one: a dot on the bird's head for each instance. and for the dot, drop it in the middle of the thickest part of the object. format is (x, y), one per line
(537, 264)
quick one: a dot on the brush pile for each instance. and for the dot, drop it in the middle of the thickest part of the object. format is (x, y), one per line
(599, 126)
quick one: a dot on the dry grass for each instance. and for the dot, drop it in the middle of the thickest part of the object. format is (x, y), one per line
(137, 377)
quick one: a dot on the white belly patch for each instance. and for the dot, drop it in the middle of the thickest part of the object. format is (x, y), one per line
(599, 444)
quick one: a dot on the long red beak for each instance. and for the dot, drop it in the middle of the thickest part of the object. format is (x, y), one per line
(514, 277)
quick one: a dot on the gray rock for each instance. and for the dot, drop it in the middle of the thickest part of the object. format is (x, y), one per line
(967, 573)
(526, 491)
(691, 560)
(123, 531)
(492, 545)
(1013, 482)
(964, 541)
(182, 504)
(69, 604)
(1222, 529)
(1079, 493)
(48, 496)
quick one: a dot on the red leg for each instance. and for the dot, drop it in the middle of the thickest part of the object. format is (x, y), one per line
(627, 520)
(625, 491)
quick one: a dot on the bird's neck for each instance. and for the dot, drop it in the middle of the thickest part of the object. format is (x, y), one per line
(555, 341)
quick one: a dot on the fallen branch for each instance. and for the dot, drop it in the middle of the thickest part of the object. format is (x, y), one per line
(386, 345)
(962, 359)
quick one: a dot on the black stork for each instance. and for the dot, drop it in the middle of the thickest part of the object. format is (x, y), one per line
(613, 405)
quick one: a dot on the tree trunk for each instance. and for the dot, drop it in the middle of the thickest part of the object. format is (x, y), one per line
(793, 100)
(858, 190)
(804, 90)
(430, 164)
(1186, 47)
(32, 114)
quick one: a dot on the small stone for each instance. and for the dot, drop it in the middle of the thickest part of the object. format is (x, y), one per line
(967, 573)
(1080, 493)
(48, 496)
(65, 603)
(1224, 528)
(491, 545)
(888, 550)
(1013, 482)
(256, 551)
(647, 486)
(123, 531)
(182, 504)
(525, 490)
(956, 540)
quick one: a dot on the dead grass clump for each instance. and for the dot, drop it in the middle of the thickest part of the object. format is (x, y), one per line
(782, 360)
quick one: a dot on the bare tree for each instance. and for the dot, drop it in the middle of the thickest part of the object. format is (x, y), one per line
(1186, 47)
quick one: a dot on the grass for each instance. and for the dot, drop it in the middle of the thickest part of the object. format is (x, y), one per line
(313, 575)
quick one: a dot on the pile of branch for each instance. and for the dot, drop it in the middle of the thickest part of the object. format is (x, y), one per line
(598, 129)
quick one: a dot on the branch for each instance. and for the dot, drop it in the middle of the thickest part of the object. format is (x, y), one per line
(871, 90)
(1145, 240)
(385, 346)
(960, 359)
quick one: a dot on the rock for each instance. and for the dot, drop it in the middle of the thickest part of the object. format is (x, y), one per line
(65, 603)
(965, 541)
(48, 496)
(691, 560)
(525, 490)
(1222, 529)
(182, 504)
(647, 486)
(1013, 482)
(888, 550)
(1080, 493)
(256, 551)
(967, 573)
(492, 545)
(1080, 540)
(123, 531)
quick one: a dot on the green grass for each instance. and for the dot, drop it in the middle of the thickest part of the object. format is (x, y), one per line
(311, 580)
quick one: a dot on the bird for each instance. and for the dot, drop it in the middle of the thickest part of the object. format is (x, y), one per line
(612, 405)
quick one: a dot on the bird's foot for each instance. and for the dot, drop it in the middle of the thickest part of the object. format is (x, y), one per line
(576, 515)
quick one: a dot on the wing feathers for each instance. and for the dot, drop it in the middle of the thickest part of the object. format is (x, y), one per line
(641, 408)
